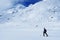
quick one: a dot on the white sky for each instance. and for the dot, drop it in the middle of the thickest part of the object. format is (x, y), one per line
(5, 4)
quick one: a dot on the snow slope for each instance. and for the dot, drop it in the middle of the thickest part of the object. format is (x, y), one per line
(28, 23)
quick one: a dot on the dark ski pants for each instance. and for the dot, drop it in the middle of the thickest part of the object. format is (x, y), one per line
(45, 34)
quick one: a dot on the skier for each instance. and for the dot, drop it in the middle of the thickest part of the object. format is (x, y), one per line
(45, 32)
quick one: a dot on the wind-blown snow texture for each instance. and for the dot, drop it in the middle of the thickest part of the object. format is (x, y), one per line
(27, 23)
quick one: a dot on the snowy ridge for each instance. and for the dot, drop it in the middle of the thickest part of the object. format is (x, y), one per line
(41, 9)
(44, 9)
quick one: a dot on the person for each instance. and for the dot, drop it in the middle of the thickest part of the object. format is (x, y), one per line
(45, 32)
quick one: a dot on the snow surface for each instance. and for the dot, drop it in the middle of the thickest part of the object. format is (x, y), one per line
(27, 23)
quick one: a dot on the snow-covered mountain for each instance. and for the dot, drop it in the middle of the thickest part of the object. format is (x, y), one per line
(41, 11)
